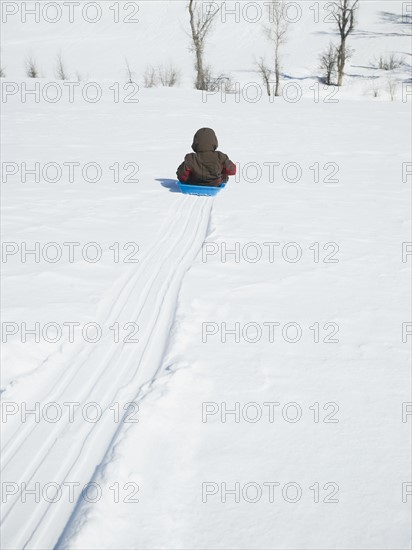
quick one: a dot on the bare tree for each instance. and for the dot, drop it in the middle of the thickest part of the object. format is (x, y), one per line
(61, 69)
(222, 82)
(230, 86)
(328, 61)
(375, 87)
(200, 25)
(168, 76)
(392, 88)
(265, 73)
(129, 72)
(32, 70)
(150, 78)
(391, 62)
(344, 15)
(276, 32)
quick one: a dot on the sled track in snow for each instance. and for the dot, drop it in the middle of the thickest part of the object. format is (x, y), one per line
(106, 373)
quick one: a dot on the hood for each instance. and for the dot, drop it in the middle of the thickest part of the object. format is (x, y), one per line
(204, 140)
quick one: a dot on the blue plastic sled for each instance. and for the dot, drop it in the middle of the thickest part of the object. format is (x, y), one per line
(202, 190)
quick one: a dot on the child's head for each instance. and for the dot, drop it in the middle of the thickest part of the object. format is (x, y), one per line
(204, 140)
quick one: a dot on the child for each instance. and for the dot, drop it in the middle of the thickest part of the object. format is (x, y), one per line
(205, 166)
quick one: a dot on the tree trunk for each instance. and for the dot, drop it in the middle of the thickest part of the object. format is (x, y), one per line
(197, 46)
(200, 78)
(277, 72)
(341, 61)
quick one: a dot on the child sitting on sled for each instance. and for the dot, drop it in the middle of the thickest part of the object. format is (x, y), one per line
(205, 166)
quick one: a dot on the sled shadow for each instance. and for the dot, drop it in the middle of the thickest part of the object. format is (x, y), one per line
(169, 184)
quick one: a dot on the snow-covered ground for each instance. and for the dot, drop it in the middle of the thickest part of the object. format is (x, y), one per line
(249, 385)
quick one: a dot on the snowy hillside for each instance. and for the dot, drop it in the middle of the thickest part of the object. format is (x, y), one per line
(186, 372)
(94, 47)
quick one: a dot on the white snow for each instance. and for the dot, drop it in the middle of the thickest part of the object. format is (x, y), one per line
(160, 481)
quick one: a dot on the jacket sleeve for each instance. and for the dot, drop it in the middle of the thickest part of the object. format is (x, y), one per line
(229, 168)
(183, 172)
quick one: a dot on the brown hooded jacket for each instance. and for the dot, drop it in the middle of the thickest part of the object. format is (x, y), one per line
(205, 166)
